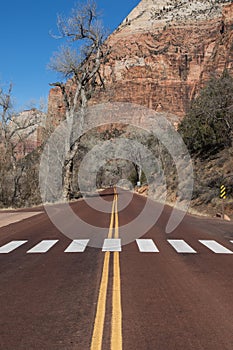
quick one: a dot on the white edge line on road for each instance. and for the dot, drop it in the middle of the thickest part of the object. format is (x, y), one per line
(147, 246)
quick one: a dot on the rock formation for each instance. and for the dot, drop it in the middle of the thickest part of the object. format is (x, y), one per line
(162, 53)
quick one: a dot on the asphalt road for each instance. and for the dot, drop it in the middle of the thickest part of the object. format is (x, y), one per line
(158, 292)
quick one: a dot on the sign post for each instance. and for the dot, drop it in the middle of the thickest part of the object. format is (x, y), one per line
(223, 196)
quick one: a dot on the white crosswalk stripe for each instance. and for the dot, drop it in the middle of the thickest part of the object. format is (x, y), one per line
(147, 246)
(215, 247)
(181, 246)
(43, 246)
(9, 247)
(77, 246)
(112, 245)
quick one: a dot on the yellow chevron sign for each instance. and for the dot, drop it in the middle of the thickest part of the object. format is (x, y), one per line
(223, 192)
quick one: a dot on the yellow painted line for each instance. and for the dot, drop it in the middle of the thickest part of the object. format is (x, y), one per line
(116, 217)
(116, 326)
(116, 330)
(97, 336)
(112, 217)
(116, 333)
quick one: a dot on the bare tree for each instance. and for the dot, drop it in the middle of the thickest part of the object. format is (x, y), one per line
(15, 132)
(79, 62)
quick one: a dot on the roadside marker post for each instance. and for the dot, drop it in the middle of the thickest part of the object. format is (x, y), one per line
(223, 196)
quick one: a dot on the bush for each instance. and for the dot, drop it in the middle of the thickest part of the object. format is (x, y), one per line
(208, 126)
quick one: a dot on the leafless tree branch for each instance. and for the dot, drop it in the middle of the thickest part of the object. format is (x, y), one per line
(80, 62)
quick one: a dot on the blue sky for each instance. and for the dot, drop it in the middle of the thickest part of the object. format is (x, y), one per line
(26, 45)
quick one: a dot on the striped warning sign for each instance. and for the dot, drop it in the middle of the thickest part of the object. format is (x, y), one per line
(223, 192)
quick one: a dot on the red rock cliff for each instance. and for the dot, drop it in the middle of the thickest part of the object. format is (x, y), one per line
(163, 52)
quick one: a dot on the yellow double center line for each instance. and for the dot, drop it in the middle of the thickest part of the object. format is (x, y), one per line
(116, 325)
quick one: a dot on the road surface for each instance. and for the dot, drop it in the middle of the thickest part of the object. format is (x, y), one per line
(158, 292)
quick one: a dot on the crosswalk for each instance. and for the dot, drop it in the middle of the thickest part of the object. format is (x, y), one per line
(180, 246)
(147, 246)
(216, 247)
(43, 246)
(9, 247)
(77, 246)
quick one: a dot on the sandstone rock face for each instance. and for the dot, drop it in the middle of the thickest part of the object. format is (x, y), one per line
(56, 108)
(163, 52)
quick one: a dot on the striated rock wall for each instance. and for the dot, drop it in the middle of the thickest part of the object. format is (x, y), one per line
(56, 108)
(162, 53)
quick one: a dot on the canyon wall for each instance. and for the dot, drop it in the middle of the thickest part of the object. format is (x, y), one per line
(162, 54)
